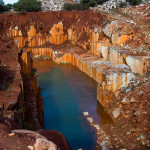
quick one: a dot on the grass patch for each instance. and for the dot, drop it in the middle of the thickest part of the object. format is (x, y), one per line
(65, 63)
(20, 110)
(119, 126)
(137, 74)
(7, 86)
(117, 11)
(42, 57)
(86, 50)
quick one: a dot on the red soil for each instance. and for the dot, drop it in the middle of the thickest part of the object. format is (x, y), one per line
(48, 19)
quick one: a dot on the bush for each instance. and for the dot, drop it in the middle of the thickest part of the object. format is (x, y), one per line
(135, 2)
(2, 7)
(91, 3)
(101, 1)
(74, 7)
(88, 3)
(27, 6)
(122, 4)
(8, 7)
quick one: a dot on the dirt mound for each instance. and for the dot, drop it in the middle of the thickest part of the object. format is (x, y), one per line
(48, 19)
(10, 72)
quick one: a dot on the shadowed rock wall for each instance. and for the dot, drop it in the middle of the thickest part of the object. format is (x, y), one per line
(33, 101)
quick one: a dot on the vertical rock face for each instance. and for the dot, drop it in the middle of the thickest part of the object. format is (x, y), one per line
(57, 34)
(117, 39)
(26, 62)
(33, 102)
(136, 63)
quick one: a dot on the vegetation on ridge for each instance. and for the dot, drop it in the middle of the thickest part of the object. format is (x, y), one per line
(4, 7)
(23, 6)
(27, 6)
(86, 4)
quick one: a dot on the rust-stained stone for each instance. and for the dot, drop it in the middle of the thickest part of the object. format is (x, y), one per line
(26, 62)
(138, 62)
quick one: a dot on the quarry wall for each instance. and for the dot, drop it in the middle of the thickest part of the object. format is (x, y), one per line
(100, 54)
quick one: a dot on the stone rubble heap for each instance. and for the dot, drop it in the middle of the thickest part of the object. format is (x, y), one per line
(114, 4)
(108, 5)
(55, 5)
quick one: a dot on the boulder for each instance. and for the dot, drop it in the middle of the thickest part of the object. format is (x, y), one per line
(125, 101)
(117, 93)
(42, 144)
(132, 100)
(30, 147)
(90, 119)
(141, 93)
(116, 112)
(85, 113)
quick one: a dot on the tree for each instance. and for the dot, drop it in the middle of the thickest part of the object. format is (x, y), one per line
(134, 2)
(73, 7)
(27, 6)
(1, 6)
(8, 7)
(1, 2)
(91, 3)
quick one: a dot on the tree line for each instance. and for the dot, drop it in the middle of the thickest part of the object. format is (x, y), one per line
(23, 6)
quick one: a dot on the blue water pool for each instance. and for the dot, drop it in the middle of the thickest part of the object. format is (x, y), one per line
(67, 93)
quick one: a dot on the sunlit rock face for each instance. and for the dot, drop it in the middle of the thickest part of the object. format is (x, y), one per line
(32, 39)
(138, 62)
(119, 39)
(25, 63)
(57, 34)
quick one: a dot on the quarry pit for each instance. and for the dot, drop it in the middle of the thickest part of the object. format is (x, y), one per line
(104, 48)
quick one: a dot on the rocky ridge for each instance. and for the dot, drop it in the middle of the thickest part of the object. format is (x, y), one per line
(113, 4)
(55, 5)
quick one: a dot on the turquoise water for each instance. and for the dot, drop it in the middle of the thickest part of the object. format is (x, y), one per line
(67, 93)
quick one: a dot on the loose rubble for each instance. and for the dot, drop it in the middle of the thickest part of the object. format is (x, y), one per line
(55, 5)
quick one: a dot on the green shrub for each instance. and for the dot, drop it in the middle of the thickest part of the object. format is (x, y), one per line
(27, 6)
(2, 7)
(74, 7)
(88, 3)
(8, 7)
(101, 1)
(91, 3)
(135, 2)
(122, 4)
